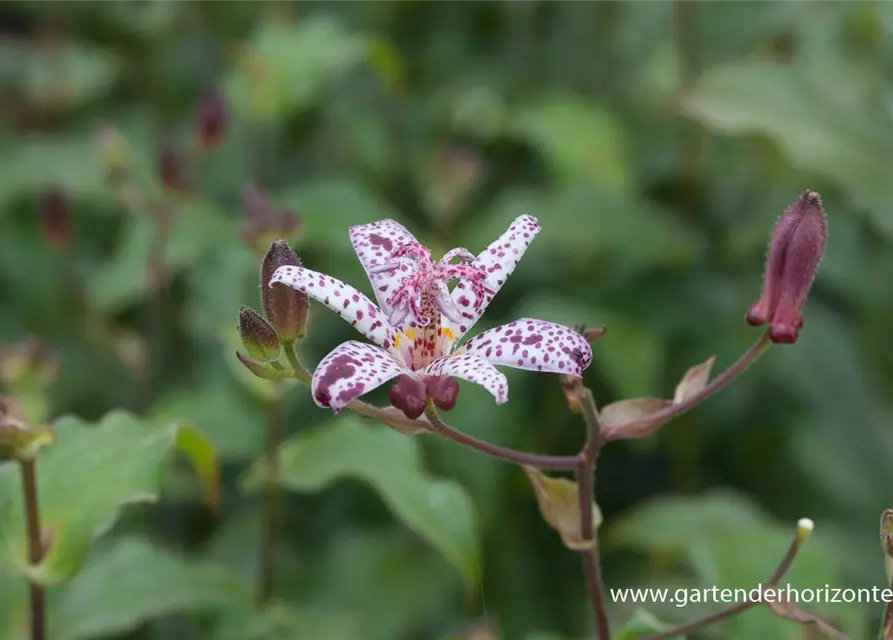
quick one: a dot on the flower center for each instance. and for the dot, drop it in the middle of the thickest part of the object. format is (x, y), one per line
(423, 294)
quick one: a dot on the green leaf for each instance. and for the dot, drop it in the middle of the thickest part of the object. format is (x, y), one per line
(834, 133)
(133, 582)
(287, 66)
(84, 480)
(65, 75)
(580, 140)
(439, 510)
(124, 279)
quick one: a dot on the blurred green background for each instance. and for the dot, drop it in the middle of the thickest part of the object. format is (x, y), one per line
(655, 141)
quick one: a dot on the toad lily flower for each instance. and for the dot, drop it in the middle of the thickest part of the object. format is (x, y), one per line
(420, 322)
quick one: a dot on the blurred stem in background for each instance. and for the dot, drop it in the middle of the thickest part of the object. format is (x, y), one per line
(691, 134)
(36, 592)
(272, 498)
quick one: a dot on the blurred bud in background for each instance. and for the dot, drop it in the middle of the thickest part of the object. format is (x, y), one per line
(54, 214)
(262, 223)
(211, 120)
(795, 251)
(172, 170)
(451, 178)
(113, 153)
(285, 308)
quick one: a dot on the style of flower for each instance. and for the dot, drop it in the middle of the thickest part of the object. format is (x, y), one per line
(419, 322)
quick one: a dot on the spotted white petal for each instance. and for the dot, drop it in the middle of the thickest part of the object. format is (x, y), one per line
(498, 260)
(375, 243)
(341, 298)
(535, 345)
(350, 370)
(445, 303)
(474, 369)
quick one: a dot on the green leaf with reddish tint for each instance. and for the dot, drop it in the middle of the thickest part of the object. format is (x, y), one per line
(438, 510)
(84, 480)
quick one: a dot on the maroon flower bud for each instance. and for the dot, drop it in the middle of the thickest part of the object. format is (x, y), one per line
(408, 395)
(795, 251)
(256, 206)
(443, 391)
(172, 169)
(285, 308)
(211, 119)
(54, 217)
(262, 221)
(258, 337)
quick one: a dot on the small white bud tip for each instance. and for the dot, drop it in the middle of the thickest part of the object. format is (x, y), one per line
(805, 527)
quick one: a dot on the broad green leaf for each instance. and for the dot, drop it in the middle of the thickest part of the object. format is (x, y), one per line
(226, 416)
(438, 510)
(83, 481)
(579, 139)
(581, 221)
(558, 503)
(288, 66)
(396, 586)
(65, 75)
(123, 280)
(131, 582)
(837, 134)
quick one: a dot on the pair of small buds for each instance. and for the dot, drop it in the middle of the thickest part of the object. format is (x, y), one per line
(284, 307)
(792, 260)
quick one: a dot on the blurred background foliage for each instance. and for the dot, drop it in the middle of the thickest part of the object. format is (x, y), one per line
(655, 141)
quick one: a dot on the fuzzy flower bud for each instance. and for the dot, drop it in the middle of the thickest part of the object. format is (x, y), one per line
(54, 217)
(258, 337)
(795, 251)
(211, 120)
(285, 308)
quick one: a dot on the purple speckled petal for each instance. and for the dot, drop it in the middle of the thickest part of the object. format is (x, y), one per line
(498, 260)
(350, 370)
(375, 243)
(535, 345)
(343, 299)
(474, 369)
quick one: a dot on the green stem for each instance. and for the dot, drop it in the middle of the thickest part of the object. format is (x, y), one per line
(585, 481)
(37, 595)
(270, 520)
